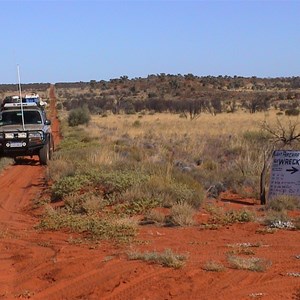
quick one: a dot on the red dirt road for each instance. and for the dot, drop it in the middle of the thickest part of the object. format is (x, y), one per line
(53, 265)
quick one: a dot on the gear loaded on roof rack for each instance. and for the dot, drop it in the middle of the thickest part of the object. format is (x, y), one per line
(25, 129)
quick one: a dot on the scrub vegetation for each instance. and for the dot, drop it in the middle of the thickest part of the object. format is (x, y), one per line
(134, 148)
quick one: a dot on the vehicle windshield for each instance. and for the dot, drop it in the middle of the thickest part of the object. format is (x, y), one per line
(15, 118)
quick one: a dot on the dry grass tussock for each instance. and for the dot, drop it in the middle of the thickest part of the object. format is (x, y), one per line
(167, 258)
(213, 266)
(255, 264)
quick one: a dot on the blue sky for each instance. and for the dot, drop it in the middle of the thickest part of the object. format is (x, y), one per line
(67, 41)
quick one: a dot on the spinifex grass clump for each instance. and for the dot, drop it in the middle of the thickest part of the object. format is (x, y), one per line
(167, 258)
(252, 264)
(182, 214)
(213, 266)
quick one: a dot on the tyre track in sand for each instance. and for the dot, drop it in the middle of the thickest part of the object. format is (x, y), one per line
(114, 280)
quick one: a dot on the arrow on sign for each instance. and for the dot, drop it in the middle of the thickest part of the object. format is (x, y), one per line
(293, 170)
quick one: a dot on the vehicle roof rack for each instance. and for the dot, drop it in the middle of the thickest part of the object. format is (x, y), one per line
(29, 101)
(18, 105)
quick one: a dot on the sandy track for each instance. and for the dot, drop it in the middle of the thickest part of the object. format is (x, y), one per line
(48, 265)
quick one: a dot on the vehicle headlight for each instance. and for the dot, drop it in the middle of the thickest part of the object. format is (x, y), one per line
(22, 135)
(9, 135)
(36, 134)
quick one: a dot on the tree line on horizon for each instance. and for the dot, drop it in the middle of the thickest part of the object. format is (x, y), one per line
(189, 95)
(186, 94)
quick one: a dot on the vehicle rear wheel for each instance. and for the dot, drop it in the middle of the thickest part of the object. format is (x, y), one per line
(44, 154)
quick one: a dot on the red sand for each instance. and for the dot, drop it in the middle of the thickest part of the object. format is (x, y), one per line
(47, 265)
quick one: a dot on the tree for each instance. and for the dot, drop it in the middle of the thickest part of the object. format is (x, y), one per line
(256, 102)
(216, 105)
(93, 84)
(192, 108)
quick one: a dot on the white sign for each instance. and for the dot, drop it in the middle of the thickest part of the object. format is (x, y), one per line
(285, 173)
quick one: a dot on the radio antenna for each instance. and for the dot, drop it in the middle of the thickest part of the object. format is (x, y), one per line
(20, 95)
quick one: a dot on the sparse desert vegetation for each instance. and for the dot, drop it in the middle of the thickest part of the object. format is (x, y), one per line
(157, 181)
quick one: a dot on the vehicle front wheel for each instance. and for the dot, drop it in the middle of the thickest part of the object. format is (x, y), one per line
(44, 154)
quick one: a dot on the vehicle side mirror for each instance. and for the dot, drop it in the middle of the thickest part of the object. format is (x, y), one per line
(47, 122)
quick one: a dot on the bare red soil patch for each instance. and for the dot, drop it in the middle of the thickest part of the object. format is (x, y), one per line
(52, 265)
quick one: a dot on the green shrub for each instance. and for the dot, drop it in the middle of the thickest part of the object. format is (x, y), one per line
(116, 181)
(220, 216)
(79, 116)
(94, 226)
(67, 185)
(84, 203)
(137, 202)
(239, 216)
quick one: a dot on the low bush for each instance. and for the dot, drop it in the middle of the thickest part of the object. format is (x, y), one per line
(239, 216)
(213, 266)
(84, 203)
(79, 116)
(154, 216)
(93, 226)
(220, 216)
(67, 185)
(135, 201)
(252, 264)
(167, 258)
(169, 192)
